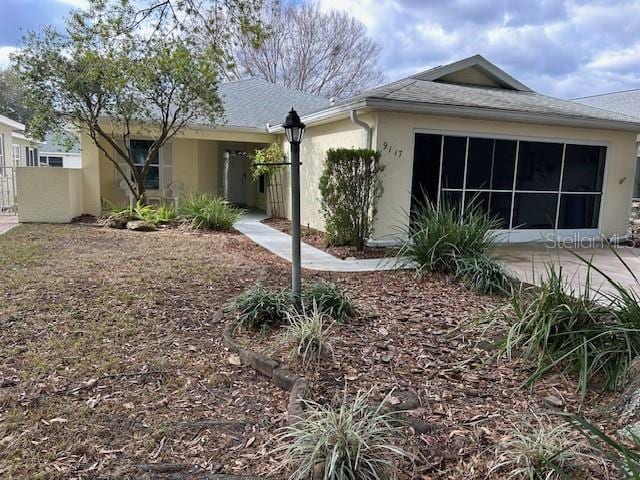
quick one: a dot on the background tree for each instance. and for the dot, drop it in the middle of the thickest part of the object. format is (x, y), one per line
(12, 103)
(123, 69)
(323, 53)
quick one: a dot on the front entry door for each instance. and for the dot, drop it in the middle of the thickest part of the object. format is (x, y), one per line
(235, 176)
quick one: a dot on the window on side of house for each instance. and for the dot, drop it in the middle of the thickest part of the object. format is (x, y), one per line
(16, 155)
(55, 161)
(139, 152)
(2, 161)
(30, 157)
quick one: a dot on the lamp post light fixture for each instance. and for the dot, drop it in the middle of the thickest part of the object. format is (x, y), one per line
(294, 129)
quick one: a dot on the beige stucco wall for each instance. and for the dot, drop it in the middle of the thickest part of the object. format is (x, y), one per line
(398, 129)
(317, 140)
(52, 195)
(196, 163)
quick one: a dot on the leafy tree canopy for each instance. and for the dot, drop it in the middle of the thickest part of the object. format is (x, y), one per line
(122, 66)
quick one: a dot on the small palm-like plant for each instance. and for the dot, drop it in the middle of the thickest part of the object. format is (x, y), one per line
(309, 333)
(330, 299)
(539, 450)
(352, 441)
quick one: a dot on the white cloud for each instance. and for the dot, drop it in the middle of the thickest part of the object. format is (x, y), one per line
(4, 55)
(565, 48)
(75, 3)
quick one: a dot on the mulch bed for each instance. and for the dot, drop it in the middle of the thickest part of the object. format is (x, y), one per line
(111, 360)
(316, 239)
(419, 337)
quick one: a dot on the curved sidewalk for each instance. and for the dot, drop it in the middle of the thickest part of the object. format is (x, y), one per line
(313, 258)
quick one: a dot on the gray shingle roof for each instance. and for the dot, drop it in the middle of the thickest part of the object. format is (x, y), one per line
(627, 102)
(255, 102)
(438, 93)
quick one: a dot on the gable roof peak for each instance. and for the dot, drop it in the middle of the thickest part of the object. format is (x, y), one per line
(480, 65)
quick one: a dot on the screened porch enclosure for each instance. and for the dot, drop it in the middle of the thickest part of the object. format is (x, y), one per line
(529, 186)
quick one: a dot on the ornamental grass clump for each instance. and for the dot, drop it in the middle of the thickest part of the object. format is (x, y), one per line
(209, 212)
(538, 449)
(354, 440)
(260, 307)
(152, 214)
(440, 236)
(588, 332)
(483, 274)
(309, 331)
(329, 298)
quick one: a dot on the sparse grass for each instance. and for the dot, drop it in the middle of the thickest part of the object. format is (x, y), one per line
(540, 450)
(209, 212)
(439, 237)
(351, 441)
(261, 307)
(329, 298)
(309, 331)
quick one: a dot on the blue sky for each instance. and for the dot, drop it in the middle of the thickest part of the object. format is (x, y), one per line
(562, 48)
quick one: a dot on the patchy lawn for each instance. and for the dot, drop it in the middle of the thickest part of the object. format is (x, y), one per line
(110, 360)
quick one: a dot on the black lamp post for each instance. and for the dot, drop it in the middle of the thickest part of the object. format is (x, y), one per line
(294, 128)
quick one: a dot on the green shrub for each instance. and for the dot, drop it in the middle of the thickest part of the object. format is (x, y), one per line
(309, 332)
(350, 187)
(483, 274)
(165, 214)
(540, 450)
(439, 237)
(554, 325)
(352, 441)
(206, 211)
(329, 298)
(261, 307)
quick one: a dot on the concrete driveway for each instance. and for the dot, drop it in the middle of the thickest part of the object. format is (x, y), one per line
(529, 261)
(7, 222)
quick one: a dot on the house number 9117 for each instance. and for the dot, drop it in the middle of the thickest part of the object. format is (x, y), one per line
(389, 148)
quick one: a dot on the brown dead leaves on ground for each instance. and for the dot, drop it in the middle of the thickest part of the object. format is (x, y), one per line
(111, 365)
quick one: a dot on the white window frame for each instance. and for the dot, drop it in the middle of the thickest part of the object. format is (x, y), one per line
(158, 166)
(516, 235)
(31, 160)
(17, 154)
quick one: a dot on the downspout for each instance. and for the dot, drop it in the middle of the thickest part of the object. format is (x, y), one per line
(353, 115)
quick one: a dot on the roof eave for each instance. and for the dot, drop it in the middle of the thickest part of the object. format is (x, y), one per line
(462, 111)
(499, 114)
(324, 115)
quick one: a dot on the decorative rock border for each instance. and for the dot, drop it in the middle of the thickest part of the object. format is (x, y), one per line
(284, 378)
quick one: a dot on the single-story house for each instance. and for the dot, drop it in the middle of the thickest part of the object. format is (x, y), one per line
(54, 152)
(463, 131)
(626, 102)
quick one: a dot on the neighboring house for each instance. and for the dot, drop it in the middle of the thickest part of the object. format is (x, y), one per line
(626, 102)
(15, 148)
(55, 153)
(542, 165)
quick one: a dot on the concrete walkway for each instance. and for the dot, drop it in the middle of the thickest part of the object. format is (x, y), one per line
(7, 222)
(529, 263)
(313, 258)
